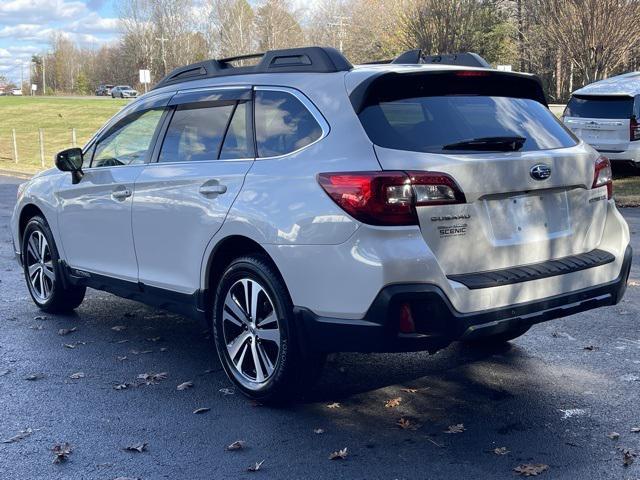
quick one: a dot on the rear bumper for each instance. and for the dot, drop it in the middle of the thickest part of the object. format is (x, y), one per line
(438, 323)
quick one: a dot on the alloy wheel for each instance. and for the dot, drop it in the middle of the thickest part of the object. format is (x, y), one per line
(251, 331)
(39, 266)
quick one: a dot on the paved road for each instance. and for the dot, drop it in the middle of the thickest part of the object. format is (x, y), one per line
(546, 399)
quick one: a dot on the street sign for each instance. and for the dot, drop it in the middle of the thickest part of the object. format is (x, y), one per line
(34, 87)
(145, 76)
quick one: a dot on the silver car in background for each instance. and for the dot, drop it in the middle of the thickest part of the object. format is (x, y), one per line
(605, 114)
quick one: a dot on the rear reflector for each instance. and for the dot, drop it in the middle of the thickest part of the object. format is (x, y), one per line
(472, 73)
(603, 175)
(389, 198)
(406, 323)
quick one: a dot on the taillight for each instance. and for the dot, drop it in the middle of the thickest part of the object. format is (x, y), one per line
(634, 129)
(389, 198)
(603, 175)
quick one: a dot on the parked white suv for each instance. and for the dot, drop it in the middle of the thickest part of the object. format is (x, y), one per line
(304, 206)
(605, 114)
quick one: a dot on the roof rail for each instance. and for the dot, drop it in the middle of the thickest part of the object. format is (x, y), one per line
(291, 60)
(467, 59)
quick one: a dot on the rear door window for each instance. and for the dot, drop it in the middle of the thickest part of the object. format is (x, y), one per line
(283, 123)
(599, 106)
(196, 132)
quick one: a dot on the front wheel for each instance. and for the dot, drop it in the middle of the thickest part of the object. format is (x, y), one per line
(42, 272)
(255, 333)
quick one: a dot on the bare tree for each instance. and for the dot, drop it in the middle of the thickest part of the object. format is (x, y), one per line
(277, 27)
(594, 35)
(231, 28)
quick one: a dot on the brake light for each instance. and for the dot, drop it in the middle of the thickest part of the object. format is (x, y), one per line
(472, 73)
(603, 175)
(389, 198)
(634, 129)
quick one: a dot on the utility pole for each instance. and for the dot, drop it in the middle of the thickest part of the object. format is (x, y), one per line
(164, 59)
(44, 88)
(339, 21)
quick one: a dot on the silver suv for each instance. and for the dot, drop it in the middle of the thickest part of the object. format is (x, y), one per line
(303, 205)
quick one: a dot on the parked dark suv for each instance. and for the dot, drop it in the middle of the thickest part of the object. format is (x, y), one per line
(103, 90)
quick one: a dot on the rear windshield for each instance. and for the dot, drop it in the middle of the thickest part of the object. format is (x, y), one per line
(583, 106)
(435, 123)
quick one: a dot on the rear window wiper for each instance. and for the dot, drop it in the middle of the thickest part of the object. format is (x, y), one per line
(503, 144)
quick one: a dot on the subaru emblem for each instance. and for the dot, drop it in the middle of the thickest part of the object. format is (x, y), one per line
(540, 171)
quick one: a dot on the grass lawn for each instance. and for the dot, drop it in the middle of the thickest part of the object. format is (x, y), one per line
(57, 116)
(626, 191)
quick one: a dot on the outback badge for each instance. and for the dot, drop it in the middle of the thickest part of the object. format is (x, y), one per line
(540, 171)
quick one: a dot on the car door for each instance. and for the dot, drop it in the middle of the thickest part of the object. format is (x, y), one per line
(183, 196)
(95, 213)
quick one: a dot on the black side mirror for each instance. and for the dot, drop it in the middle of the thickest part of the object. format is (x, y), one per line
(70, 160)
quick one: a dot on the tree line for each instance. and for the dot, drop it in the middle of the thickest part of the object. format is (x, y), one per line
(567, 43)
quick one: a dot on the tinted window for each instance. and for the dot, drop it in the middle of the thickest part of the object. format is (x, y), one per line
(583, 106)
(283, 124)
(129, 142)
(238, 143)
(428, 123)
(195, 133)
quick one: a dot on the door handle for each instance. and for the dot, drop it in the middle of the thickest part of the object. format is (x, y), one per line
(121, 194)
(212, 189)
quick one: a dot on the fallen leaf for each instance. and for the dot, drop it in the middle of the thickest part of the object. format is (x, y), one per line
(237, 445)
(185, 385)
(61, 452)
(338, 454)
(227, 391)
(404, 423)
(21, 435)
(409, 390)
(590, 348)
(635, 430)
(77, 375)
(333, 405)
(318, 431)
(152, 378)
(531, 470)
(458, 428)
(123, 341)
(37, 327)
(163, 349)
(137, 447)
(628, 456)
(138, 352)
(39, 317)
(34, 376)
(201, 410)
(255, 467)
(118, 328)
(121, 358)
(67, 331)
(154, 339)
(614, 435)
(393, 403)
(122, 386)
(500, 451)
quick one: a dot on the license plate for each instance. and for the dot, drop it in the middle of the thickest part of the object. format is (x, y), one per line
(529, 218)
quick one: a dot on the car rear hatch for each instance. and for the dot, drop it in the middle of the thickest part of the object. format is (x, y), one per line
(603, 121)
(525, 178)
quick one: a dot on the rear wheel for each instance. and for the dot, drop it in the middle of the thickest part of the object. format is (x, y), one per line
(255, 333)
(42, 272)
(499, 338)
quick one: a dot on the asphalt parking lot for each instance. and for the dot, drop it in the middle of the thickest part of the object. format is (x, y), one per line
(554, 398)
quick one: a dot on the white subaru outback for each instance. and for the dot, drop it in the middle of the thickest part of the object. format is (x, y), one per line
(302, 206)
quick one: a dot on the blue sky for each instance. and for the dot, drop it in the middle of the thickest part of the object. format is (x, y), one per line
(26, 27)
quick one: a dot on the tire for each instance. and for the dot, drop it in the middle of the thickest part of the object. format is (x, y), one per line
(497, 339)
(45, 282)
(267, 336)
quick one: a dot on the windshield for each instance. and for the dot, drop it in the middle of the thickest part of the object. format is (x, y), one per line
(600, 106)
(442, 124)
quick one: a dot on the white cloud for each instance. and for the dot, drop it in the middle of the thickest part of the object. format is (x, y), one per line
(37, 11)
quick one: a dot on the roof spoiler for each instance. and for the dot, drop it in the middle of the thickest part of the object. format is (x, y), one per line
(291, 60)
(467, 59)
